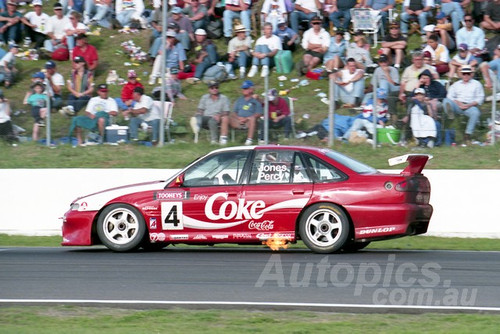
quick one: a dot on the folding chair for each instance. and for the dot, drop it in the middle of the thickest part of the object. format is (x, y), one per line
(368, 21)
(167, 114)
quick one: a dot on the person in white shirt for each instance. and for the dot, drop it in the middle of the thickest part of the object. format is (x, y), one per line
(6, 131)
(143, 112)
(471, 35)
(73, 29)
(56, 28)
(316, 42)
(439, 53)
(37, 24)
(96, 115)
(8, 69)
(463, 98)
(266, 48)
(304, 10)
(238, 51)
(350, 84)
(55, 85)
(273, 10)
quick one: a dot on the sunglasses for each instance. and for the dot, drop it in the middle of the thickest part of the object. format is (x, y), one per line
(315, 23)
(468, 20)
(466, 73)
(214, 87)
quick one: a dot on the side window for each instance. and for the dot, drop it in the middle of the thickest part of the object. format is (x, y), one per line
(300, 171)
(324, 172)
(272, 167)
(220, 169)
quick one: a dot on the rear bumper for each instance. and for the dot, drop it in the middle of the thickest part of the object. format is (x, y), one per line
(77, 228)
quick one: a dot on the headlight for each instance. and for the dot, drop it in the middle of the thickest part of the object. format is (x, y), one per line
(74, 206)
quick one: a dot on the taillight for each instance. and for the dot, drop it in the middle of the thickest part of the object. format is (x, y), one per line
(417, 188)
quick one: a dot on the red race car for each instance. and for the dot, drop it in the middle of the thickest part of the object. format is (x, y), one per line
(246, 195)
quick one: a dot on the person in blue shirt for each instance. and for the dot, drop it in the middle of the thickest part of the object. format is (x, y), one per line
(286, 34)
(335, 56)
(38, 102)
(246, 111)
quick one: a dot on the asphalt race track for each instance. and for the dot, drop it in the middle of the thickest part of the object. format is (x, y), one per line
(411, 281)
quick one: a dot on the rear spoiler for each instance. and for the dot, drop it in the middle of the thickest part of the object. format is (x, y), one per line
(416, 162)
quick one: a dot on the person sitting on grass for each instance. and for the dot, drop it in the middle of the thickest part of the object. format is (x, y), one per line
(266, 47)
(126, 100)
(6, 131)
(96, 115)
(38, 102)
(8, 70)
(205, 55)
(80, 87)
(143, 112)
(246, 112)
(350, 84)
(316, 42)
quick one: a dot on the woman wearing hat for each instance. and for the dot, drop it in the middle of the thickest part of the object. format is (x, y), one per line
(80, 87)
(238, 50)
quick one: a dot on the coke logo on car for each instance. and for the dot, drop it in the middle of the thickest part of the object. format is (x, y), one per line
(265, 225)
(233, 210)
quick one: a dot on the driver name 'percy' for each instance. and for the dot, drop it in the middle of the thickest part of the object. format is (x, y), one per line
(274, 172)
(233, 210)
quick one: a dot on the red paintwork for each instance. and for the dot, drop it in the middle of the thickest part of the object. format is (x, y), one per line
(374, 206)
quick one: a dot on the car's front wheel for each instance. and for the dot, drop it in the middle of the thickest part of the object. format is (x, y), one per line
(324, 228)
(121, 227)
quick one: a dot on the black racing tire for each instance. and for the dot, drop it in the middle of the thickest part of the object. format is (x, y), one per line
(355, 246)
(324, 228)
(121, 227)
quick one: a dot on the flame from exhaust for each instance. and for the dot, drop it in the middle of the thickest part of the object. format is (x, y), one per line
(276, 242)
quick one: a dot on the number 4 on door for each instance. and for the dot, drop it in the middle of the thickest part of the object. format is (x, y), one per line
(171, 216)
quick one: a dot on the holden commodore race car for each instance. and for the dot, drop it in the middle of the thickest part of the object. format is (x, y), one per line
(246, 195)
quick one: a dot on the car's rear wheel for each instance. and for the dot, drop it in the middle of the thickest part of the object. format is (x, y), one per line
(355, 246)
(121, 227)
(324, 228)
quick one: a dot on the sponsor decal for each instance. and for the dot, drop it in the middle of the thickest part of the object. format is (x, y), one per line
(272, 172)
(179, 236)
(266, 225)
(171, 195)
(157, 237)
(233, 210)
(153, 223)
(150, 208)
(200, 237)
(200, 197)
(84, 206)
(263, 236)
(377, 230)
(242, 236)
(220, 236)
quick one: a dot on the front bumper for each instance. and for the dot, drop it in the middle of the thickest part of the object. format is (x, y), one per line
(77, 228)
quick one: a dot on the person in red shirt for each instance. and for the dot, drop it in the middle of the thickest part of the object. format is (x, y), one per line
(87, 51)
(126, 101)
(279, 114)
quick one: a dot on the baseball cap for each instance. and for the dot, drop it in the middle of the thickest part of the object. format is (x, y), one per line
(176, 10)
(79, 59)
(419, 91)
(102, 88)
(272, 94)
(213, 84)
(440, 15)
(200, 31)
(383, 58)
(463, 47)
(247, 84)
(466, 69)
(281, 21)
(38, 75)
(381, 93)
(131, 74)
(58, 5)
(139, 90)
(171, 33)
(36, 2)
(427, 54)
(80, 36)
(12, 2)
(50, 64)
(316, 19)
(340, 32)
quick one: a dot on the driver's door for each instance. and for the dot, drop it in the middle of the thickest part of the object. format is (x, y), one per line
(210, 195)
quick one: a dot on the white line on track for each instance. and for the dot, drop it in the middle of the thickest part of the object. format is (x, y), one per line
(254, 304)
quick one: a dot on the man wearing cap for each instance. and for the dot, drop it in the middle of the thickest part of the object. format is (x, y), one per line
(10, 23)
(463, 98)
(37, 24)
(442, 29)
(272, 11)
(416, 9)
(463, 57)
(205, 55)
(86, 51)
(409, 78)
(266, 47)
(56, 29)
(304, 10)
(342, 9)
(174, 57)
(246, 111)
(453, 9)
(126, 100)
(96, 115)
(238, 50)
(143, 112)
(439, 53)
(365, 119)
(236, 9)
(315, 41)
(128, 10)
(394, 45)
(279, 114)
(471, 35)
(335, 56)
(213, 111)
(184, 27)
(286, 34)
(7, 66)
(80, 87)
(387, 78)
(55, 84)
(351, 84)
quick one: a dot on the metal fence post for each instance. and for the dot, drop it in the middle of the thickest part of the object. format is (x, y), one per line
(331, 111)
(374, 113)
(494, 109)
(266, 110)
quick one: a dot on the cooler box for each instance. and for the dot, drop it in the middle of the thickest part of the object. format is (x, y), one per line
(283, 61)
(116, 134)
(388, 136)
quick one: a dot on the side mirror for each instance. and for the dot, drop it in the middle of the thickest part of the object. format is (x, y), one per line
(179, 180)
